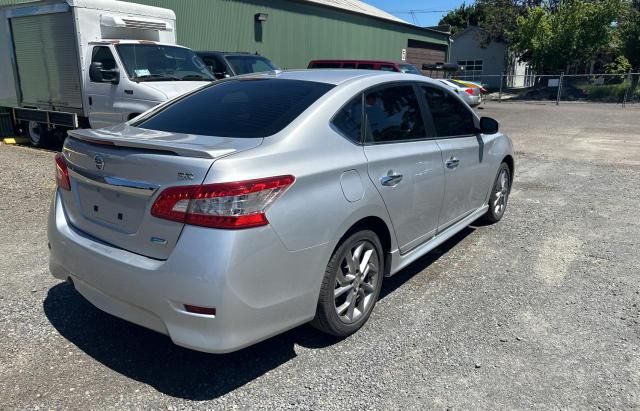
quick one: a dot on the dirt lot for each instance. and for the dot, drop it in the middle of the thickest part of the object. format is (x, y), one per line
(540, 310)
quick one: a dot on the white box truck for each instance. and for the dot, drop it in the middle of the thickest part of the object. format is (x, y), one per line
(89, 63)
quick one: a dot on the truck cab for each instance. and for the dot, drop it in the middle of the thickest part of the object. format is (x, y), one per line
(127, 78)
(89, 63)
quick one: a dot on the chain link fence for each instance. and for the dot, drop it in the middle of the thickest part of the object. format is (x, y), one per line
(621, 89)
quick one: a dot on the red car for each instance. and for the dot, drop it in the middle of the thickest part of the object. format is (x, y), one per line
(385, 65)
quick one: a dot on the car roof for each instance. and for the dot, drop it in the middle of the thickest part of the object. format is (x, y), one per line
(336, 76)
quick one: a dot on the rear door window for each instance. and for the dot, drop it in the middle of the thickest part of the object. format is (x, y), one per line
(451, 117)
(393, 115)
(365, 66)
(386, 67)
(349, 120)
(238, 108)
(349, 65)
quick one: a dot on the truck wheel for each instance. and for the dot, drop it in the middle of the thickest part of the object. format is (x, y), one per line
(38, 135)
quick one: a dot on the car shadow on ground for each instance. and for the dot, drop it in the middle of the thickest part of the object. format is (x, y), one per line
(153, 359)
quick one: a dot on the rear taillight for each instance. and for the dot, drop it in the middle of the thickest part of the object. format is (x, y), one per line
(62, 173)
(234, 205)
(469, 91)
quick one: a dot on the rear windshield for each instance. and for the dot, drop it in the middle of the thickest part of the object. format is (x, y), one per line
(238, 108)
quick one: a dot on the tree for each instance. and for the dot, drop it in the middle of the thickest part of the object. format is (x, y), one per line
(630, 34)
(572, 34)
(462, 17)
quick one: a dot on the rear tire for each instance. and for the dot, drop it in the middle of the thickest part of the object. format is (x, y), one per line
(351, 285)
(38, 134)
(499, 195)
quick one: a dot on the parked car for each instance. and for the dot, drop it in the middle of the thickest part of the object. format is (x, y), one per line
(71, 73)
(471, 95)
(468, 83)
(256, 204)
(384, 65)
(226, 64)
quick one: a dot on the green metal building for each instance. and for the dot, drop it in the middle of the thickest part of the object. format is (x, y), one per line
(297, 31)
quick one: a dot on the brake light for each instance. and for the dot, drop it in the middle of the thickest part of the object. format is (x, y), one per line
(62, 173)
(469, 91)
(234, 205)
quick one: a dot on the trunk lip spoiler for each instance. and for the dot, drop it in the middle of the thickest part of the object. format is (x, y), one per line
(179, 149)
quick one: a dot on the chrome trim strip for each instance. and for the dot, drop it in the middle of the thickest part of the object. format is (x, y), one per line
(136, 188)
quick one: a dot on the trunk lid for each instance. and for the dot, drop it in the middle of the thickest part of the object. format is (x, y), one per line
(117, 173)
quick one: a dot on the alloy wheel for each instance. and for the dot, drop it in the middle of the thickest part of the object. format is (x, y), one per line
(356, 281)
(501, 193)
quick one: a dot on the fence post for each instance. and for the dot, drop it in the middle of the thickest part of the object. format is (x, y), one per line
(500, 93)
(628, 90)
(559, 88)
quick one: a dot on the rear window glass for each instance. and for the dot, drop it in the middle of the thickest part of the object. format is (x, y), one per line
(238, 108)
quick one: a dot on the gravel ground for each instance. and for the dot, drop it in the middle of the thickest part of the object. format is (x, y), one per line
(540, 310)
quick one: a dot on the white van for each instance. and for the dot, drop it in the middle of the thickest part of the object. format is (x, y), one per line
(89, 63)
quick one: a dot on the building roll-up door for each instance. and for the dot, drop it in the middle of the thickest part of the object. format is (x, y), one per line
(47, 59)
(421, 52)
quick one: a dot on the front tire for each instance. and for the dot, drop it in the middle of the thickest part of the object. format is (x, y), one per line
(351, 285)
(499, 195)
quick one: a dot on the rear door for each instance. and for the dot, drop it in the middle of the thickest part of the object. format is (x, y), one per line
(404, 163)
(462, 152)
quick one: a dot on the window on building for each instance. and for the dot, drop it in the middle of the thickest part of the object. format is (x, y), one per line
(471, 67)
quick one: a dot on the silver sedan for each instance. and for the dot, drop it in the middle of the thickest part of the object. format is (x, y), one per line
(256, 204)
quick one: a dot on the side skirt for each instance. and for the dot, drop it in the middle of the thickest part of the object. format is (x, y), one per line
(398, 261)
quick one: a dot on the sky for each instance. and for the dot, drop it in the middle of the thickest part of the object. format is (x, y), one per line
(400, 8)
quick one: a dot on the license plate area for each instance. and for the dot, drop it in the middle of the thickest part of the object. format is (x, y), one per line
(115, 209)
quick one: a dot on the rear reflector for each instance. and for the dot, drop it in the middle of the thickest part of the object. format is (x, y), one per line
(62, 173)
(200, 310)
(469, 91)
(234, 205)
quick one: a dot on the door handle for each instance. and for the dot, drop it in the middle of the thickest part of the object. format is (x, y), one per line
(452, 162)
(391, 179)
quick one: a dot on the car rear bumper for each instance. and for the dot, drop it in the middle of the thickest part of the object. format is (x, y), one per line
(257, 286)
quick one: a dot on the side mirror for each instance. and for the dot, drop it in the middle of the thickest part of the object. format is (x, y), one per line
(98, 74)
(95, 72)
(115, 75)
(489, 125)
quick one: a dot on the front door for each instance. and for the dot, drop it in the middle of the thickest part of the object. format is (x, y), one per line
(404, 164)
(102, 95)
(462, 152)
